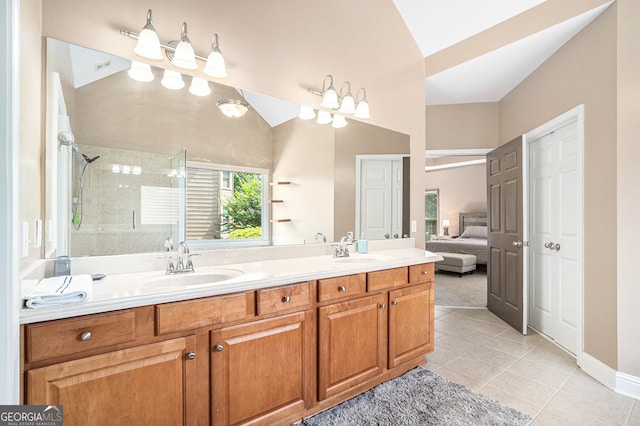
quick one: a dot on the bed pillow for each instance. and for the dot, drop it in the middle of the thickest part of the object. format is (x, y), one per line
(475, 232)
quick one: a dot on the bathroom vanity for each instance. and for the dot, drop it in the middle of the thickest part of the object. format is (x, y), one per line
(278, 341)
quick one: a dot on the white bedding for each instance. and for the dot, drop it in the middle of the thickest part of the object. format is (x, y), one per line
(475, 246)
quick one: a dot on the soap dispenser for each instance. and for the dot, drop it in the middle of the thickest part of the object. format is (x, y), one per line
(363, 245)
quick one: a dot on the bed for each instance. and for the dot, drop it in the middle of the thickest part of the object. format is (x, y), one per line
(472, 238)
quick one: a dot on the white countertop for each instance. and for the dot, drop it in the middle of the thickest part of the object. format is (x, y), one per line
(132, 289)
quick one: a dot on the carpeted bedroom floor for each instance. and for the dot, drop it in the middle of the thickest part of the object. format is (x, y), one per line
(466, 291)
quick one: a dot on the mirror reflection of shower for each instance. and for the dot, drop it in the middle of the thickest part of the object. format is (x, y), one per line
(66, 138)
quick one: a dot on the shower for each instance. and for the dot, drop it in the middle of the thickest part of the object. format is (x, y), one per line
(66, 138)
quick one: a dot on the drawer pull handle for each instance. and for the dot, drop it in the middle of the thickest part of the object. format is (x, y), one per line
(86, 336)
(425, 272)
(394, 303)
(191, 355)
(383, 306)
(219, 348)
(342, 288)
(286, 299)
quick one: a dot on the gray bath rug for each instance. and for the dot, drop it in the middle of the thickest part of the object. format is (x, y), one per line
(419, 397)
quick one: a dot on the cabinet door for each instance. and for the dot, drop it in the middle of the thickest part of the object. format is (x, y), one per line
(151, 384)
(352, 343)
(261, 371)
(410, 323)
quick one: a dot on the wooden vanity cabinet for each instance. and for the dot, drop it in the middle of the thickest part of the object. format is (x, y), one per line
(148, 384)
(263, 371)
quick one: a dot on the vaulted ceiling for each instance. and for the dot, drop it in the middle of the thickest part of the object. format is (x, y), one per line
(479, 51)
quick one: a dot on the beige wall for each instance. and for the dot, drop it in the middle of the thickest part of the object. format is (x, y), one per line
(30, 149)
(462, 189)
(628, 190)
(303, 153)
(462, 126)
(583, 71)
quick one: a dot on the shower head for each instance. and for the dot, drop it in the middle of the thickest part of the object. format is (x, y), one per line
(90, 160)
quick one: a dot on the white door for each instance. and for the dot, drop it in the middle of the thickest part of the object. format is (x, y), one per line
(380, 199)
(554, 234)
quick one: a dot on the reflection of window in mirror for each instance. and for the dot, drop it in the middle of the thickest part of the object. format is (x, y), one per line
(431, 209)
(226, 205)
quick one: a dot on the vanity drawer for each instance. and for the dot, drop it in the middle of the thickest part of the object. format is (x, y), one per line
(389, 278)
(73, 335)
(196, 313)
(285, 298)
(421, 273)
(339, 287)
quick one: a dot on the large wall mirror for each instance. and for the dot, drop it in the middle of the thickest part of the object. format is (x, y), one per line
(127, 161)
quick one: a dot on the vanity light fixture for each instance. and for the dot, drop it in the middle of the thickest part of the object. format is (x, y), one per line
(215, 66)
(115, 168)
(172, 80)
(140, 72)
(324, 117)
(338, 121)
(362, 108)
(180, 53)
(184, 56)
(347, 104)
(306, 113)
(329, 95)
(233, 108)
(148, 45)
(199, 87)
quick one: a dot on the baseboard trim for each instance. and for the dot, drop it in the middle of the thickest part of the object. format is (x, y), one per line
(621, 383)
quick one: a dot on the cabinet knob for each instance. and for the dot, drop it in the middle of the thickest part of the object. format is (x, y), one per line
(218, 348)
(286, 299)
(342, 288)
(191, 355)
(425, 272)
(383, 306)
(86, 336)
(394, 303)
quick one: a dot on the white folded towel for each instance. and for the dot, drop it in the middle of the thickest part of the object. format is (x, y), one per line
(60, 291)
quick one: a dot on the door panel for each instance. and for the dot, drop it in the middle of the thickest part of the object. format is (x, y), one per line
(505, 295)
(554, 277)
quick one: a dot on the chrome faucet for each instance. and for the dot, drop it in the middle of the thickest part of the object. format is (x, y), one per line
(342, 250)
(183, 260)
(320, 236)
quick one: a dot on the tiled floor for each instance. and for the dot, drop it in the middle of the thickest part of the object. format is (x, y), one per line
(475, 348)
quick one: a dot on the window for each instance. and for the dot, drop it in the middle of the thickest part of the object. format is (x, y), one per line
(225, 205)
(431, 209)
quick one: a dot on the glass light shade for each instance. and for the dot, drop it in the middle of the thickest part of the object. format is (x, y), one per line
(348, 105)
(199, 87)
(115, 168)
(324, 117)
(184, 56)
(338, 121)
(137, 170)
(140, 72)
(362, 110)
(126, 170)
(233, 108)
(148, 45)
(306, 113)
(215, 66)
(172, 80)
(330, 99)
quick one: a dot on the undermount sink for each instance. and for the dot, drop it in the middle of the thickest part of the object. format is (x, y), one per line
(360, 258)
(194, 278)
